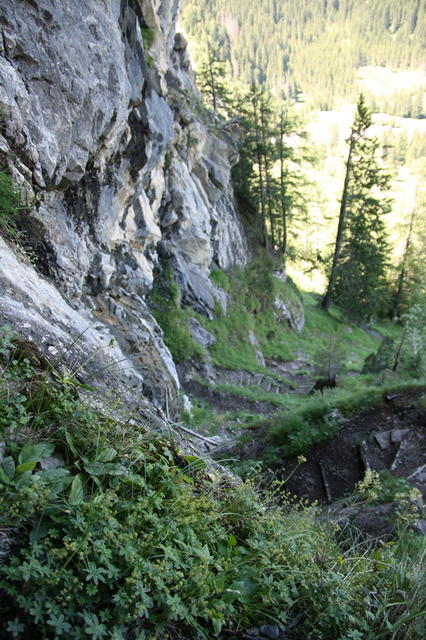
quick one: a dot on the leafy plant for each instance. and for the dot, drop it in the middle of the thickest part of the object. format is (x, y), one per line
(328, 360)
(382, 359)
(296, 432)
(166, 304)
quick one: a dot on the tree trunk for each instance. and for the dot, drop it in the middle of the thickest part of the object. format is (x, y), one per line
(401, 279)
(212, 79)
(260, 169)
(283, 188)
(398, 351)
(326, 301)
(265, 154)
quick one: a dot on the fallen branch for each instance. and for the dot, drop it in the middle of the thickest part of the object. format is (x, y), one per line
(195, 434)
(325, 483)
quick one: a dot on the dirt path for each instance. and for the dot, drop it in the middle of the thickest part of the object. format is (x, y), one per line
(391, 436)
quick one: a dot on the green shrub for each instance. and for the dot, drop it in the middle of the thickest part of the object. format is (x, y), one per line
(292, 424)
(148, 36)
(220, 279)
(260, 282)
(316, 409)
(351, 403)
(297, 431)
(177, 335)
(329, 359)
(383, 359)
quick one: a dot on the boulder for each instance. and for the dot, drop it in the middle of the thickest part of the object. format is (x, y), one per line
(291, 311)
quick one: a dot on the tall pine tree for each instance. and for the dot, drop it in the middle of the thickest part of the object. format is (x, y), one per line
(358, 277)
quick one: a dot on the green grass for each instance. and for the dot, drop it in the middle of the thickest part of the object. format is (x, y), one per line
(325, 337)
(220, 279)
(295, 432)
(10, 202)
(312, 419)
(167, 309)
(249, 312)
(204, 420)
(256, 394)
(320, 326)
(252, 292)
(292, 431)
(232, 349)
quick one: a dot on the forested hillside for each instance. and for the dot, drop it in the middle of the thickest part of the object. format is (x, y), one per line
(313, 59)
(280, 44)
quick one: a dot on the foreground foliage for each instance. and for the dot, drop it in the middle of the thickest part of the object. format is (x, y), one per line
(115, 533)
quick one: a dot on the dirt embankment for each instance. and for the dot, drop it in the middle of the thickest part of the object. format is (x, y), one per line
(390, 436)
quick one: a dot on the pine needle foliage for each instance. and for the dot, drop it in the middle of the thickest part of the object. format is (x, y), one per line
(358, 277)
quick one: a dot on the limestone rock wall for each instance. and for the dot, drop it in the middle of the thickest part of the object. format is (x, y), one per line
(102, 127)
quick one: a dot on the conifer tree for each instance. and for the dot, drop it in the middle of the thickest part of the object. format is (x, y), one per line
(211, 79)
(402, 276)
(357, 280)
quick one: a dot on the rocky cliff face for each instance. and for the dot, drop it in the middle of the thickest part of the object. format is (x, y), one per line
(99, 128)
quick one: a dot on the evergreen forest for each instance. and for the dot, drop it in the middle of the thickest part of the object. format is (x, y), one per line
(290, 75)
(309, 48)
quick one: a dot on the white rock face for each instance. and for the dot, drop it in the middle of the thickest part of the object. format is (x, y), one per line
(290, 310)
(119, 174)
(37, 310)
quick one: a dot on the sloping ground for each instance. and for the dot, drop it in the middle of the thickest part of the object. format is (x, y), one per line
(109, 530)
(271, 343)
(391, 436)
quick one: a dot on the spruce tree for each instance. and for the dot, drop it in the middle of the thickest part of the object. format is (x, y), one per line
(358, 277)
(211, 75)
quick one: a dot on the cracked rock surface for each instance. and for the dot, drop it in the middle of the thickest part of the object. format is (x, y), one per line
(118, 174)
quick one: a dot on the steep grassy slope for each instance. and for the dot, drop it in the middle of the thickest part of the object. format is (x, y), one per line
(258, 358)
